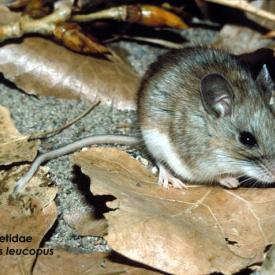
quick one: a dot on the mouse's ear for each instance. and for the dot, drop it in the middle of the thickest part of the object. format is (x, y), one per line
(265, 83)
(217, 95)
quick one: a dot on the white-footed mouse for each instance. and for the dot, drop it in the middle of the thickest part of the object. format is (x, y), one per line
(202, 115)
(203, 119)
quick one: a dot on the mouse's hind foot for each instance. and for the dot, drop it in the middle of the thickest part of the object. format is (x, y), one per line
(166, 179)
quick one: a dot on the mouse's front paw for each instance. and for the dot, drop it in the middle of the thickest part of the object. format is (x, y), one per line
(229, 182)
(165, 177)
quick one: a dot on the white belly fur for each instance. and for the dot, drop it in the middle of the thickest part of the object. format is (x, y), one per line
(162, 149)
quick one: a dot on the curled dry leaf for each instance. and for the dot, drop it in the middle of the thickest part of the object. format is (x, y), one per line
(156, 16)
(68, 263)
(32, 214)
(14, 147)
(149, 15)
(72, 37)
(195, 231)
(39, 66)
(86, 224)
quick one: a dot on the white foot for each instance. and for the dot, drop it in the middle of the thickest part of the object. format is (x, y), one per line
(229, 182)
(165, 177)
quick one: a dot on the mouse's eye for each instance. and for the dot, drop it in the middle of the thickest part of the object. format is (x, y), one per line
(247, 139)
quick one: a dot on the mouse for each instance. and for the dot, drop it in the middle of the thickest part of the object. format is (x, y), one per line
(203, 118)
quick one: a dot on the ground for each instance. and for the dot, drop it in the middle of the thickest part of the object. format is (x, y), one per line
(33, 114)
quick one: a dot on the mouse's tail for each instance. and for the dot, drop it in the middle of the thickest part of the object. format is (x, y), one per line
(70, 148)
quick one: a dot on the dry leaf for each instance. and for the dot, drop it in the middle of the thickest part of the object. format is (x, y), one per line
(270, 34)
(86, 224)
(37, 188)
(14, 147)
(64, 262)
(35, 226)
(266, 5)
(195, 231)
(30, 216)
(157, 16)
(39, 66)
(148, 15)
(73, 37)
(240, 40)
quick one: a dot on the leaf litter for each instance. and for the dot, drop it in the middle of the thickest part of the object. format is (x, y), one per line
(14, 147)
(179, 231)
(59, 72)
(31, 214)
(201, 206)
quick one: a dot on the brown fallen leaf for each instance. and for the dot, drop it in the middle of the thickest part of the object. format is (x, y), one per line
(38, 187)
(86, 224)
(240, 40)
(195, 231)
(29, 216)
(39, 66)
(63, 262)
(14, 147)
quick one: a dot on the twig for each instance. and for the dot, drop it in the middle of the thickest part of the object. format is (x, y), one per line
(160, 42)
(245, 6)
(43, 134)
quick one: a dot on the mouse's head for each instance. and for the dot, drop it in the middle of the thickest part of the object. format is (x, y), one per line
(242, 124)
